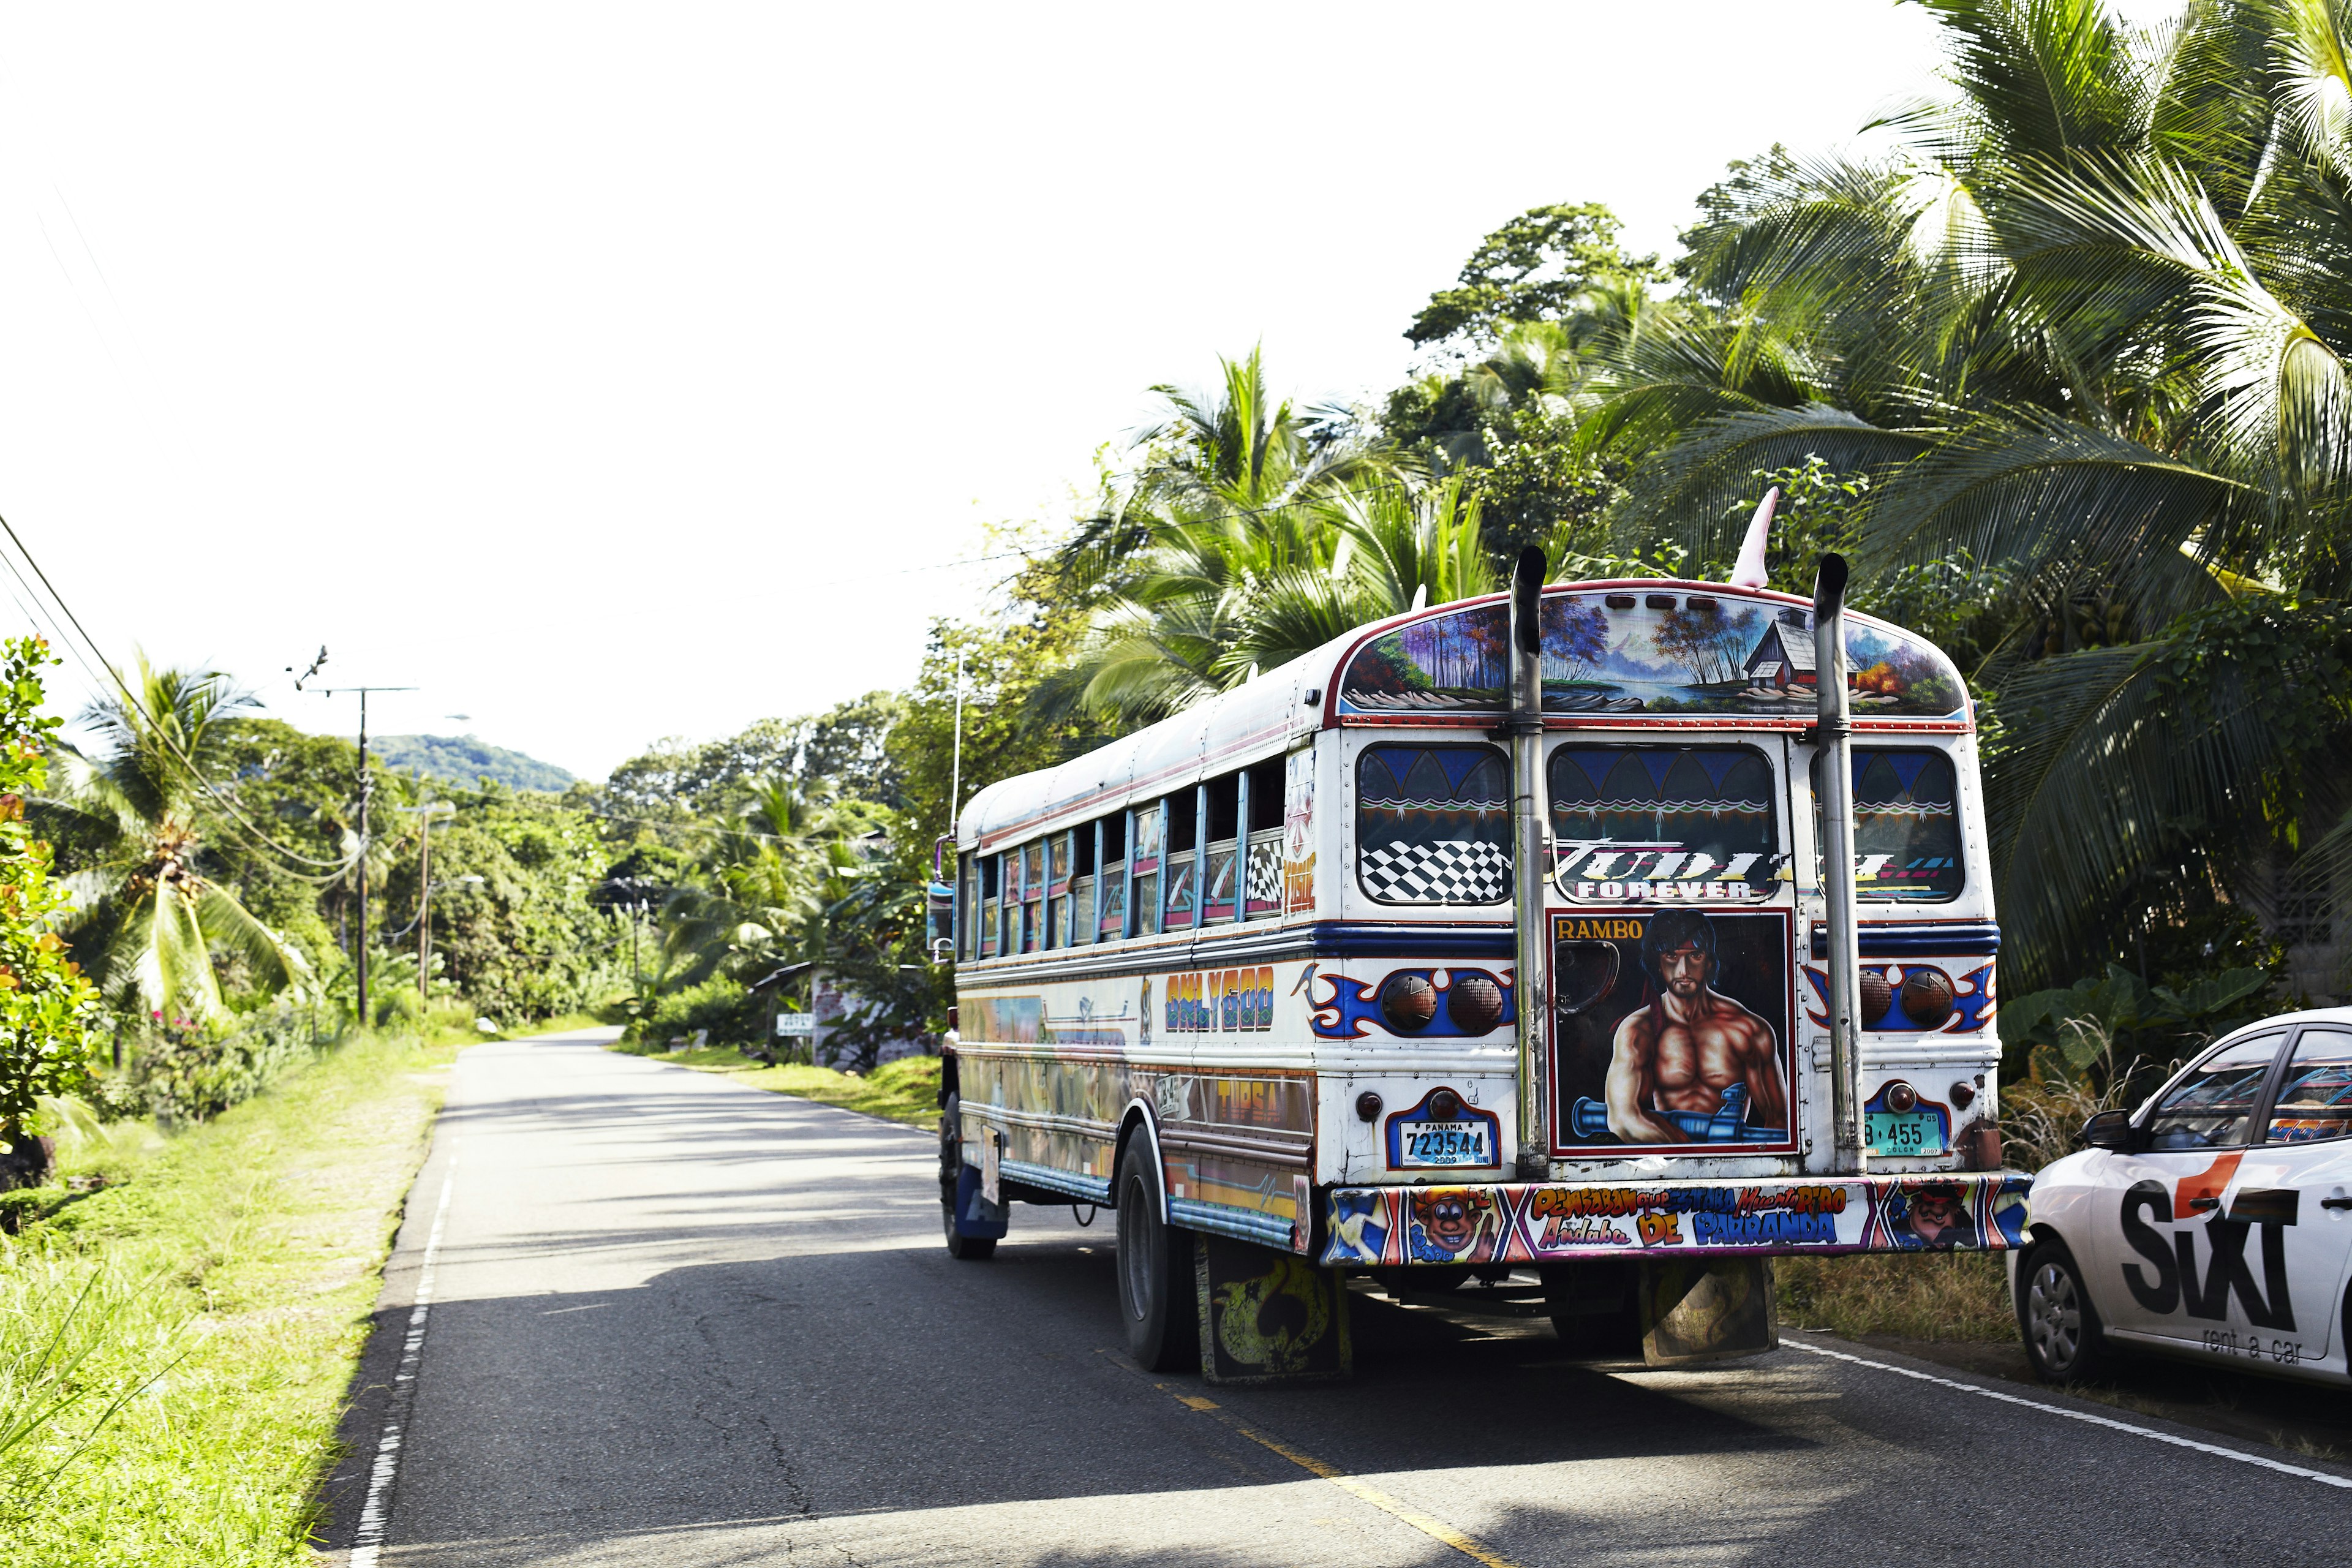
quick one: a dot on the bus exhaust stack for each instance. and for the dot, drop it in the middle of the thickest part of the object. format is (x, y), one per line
(1530, 867)
(1834, 743)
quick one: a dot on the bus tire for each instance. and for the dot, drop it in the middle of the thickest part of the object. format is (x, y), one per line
(963, 1249)
(2063, 1341)
(1155, 1270)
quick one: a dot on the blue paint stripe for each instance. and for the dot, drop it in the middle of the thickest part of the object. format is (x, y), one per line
(1242, 1225)
(1969, 939)
(1093, 1189)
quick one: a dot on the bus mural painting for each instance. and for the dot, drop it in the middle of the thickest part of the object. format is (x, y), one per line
(1691, 1046)
(1221, 1001)
(1517, 1013)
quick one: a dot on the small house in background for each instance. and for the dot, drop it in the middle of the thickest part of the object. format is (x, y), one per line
(1784, 654)
(830, 1006)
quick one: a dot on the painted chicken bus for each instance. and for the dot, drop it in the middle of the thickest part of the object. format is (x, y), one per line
(1253, 977)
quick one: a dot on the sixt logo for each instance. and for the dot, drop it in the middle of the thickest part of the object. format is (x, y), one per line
(2168, 1280)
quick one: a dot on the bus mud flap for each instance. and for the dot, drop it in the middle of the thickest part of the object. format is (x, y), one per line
(1267, 1316)
(1694, 1310)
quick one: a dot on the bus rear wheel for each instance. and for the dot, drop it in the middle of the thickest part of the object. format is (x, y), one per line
(963, 1249)
(1155, 1270)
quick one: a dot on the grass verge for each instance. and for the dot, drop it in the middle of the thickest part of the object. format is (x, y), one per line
(237, 1264)
(1961, 1295)
(905, 1091)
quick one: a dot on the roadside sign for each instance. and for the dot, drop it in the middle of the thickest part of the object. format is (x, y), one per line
(796, 1023)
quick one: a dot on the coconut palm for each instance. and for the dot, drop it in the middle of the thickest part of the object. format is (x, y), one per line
(763, 884)
(148, 924)
(2087, 327)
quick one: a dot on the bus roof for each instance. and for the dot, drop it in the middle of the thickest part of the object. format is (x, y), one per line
(1639, 653)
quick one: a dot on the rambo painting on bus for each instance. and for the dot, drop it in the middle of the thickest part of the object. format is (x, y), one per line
(1691, 1043)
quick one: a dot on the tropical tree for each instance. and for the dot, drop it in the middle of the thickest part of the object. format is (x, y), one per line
(2085, 333)
(147, 923)
(764, 882)
(48, 1010)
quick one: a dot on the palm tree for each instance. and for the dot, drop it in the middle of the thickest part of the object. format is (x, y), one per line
(1250, 534)
(147, 923)
(765, 880)
(2088, 328)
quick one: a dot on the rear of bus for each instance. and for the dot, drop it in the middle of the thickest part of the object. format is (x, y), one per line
(1684, 1054)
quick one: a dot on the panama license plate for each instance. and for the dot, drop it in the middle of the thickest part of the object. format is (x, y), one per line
(1905, 1132)
(1443, 1144)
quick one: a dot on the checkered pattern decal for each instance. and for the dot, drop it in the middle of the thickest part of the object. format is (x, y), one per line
(1450, 872)
(1265, 874)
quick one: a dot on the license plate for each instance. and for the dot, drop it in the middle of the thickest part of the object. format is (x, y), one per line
(1439, 1143)
(1904, 1133)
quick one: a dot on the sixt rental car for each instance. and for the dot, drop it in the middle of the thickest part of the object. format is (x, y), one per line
(2214, 1222)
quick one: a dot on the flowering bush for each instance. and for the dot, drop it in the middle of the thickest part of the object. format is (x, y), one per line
(49, 1011)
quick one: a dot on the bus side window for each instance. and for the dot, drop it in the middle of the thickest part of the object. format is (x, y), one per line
(1906, 825)
(1033, 896)
(1076, 926)
(1147, 870)
(1057, 891)
(1112, 921)
(1220, 843)
(1434, 824)
(991, 883)
(1262, 878)
(1176, 879)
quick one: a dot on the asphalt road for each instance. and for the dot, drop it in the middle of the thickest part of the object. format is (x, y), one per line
(676, 1321)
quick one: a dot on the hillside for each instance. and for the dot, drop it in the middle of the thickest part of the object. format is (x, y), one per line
(463, 760)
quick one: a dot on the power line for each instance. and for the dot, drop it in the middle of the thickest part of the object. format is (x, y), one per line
(260, 839)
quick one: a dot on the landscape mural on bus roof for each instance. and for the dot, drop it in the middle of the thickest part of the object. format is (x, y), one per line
(1667, 650)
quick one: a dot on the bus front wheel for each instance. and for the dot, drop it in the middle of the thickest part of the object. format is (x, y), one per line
(1155, 1270)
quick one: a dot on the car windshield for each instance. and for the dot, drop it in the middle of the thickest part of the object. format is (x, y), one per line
(2214, 1104)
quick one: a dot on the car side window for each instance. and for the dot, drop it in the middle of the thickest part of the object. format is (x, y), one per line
(2214, 1106)
(2315, 1099)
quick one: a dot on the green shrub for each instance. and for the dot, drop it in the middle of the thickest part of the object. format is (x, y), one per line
(731, 1014)
(195, 1073)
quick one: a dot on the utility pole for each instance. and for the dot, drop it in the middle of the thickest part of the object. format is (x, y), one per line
(955, 778)
(425, 814)
(367, 795)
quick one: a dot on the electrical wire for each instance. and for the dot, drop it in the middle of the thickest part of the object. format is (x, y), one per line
(259, 839)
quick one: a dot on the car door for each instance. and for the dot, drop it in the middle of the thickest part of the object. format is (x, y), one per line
(2153, 1250)
(2295, 1191)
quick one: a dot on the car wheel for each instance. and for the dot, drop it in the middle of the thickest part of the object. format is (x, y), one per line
(2055, 1315)
(1156, 1289)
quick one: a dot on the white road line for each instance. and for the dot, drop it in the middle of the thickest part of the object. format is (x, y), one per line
(2322, 1477)
(375, 1514)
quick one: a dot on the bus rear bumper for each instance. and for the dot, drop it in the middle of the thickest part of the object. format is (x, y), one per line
(1543, 1222)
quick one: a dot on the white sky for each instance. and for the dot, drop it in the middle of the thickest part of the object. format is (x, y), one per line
(603, 370)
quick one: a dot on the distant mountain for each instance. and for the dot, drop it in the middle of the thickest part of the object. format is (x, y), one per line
(463, 760)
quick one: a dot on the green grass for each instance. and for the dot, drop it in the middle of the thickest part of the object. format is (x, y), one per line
(905, 1091)
(568, 1024)
(1918, 1296)
(233, 1269)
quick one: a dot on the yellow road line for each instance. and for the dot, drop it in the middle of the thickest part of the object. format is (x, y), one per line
(1470, 1546)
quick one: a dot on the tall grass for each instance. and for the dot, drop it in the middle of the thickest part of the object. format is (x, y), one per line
(205, 1308)
(1965, 1296)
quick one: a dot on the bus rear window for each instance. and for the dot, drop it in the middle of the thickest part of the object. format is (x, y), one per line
(1906, 825)
(1434, 824)
(1660, 817)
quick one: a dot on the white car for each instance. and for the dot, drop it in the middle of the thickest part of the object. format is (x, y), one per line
(2215, 1222)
